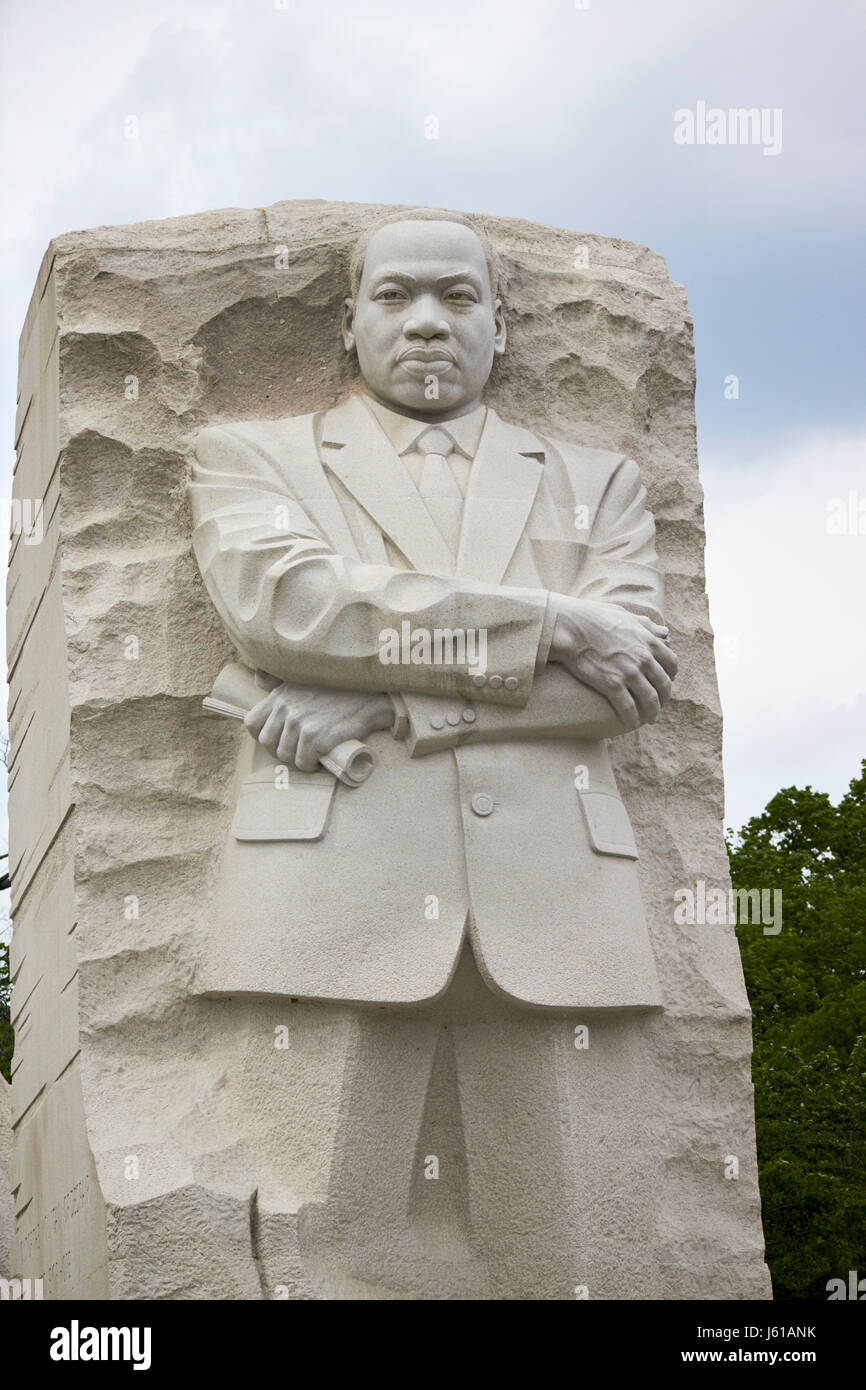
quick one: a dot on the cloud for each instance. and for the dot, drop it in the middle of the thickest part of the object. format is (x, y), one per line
(786, 607)
(244, 103)
(820, 745)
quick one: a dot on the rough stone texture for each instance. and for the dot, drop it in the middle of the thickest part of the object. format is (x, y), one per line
(7, 1214)
(136, 1103)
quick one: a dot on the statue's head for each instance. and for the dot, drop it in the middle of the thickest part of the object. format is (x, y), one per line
(423, 313)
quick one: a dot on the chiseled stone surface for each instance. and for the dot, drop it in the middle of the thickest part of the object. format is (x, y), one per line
(177, 1178)
(6, 1209)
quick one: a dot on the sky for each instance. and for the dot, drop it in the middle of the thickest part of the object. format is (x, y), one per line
(562, 113)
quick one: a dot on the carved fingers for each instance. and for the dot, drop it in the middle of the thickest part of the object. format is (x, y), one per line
(300, 725)
(622, 655)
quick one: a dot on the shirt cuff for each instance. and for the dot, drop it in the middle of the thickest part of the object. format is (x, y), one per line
(546, 635)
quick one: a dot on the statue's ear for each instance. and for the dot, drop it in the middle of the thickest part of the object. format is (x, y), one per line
(501, 330)
(346, 328)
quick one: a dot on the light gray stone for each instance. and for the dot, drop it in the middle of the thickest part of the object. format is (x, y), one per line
(190, 1156)
(7, 1211)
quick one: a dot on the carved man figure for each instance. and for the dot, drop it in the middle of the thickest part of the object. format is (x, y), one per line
(477, 897)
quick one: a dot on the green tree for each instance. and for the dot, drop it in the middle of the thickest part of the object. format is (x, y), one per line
(807, 987)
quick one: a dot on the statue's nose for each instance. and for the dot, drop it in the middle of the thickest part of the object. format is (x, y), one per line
(427, 320)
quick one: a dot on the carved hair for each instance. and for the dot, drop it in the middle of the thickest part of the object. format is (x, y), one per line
(359, 250)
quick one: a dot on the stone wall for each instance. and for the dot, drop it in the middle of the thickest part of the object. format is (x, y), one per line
(7, 1216)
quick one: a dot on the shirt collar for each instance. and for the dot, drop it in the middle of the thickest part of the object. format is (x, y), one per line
(403, 431)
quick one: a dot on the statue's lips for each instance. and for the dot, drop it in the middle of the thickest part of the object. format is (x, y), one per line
(422, 364)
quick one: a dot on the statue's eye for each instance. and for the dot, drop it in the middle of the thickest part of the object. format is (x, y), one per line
(390, 295)
(461, 295)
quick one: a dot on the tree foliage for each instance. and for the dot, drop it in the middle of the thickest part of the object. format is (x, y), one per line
(807, 987)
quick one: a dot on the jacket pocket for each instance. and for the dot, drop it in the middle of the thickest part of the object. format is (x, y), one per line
(295, 810)
(607, 824)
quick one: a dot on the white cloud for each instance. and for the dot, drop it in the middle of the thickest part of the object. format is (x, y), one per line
(786, 602)
(512, 83)
(64, 66)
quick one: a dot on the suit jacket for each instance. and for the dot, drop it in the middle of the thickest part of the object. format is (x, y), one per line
(501, 798)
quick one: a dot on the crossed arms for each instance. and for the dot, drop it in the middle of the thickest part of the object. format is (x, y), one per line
(589, 664)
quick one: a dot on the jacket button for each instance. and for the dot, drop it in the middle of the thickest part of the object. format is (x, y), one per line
(469, 716)
(511, 682)
(482, 804)
(453, 717)
(495, 682)
(479, 679)
(437, 722)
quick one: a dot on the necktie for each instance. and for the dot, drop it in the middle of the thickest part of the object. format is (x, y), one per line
(438, 486)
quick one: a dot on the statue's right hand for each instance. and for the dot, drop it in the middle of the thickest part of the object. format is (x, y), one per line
(300, 724)
(620, 654)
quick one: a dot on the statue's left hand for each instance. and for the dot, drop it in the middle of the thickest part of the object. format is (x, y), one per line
(300, 724)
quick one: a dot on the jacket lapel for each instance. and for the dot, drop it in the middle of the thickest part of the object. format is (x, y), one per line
(502, 487)
(359, 453)
(290, 448)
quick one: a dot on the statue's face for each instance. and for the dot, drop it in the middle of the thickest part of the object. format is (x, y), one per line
(425, 325)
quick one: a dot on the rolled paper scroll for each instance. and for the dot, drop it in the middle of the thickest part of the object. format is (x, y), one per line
(237, 688)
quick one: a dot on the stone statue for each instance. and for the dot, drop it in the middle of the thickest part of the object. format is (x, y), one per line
(382, 996)
(483, 606)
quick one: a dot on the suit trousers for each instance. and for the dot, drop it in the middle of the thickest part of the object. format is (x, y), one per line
(467, 1148)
